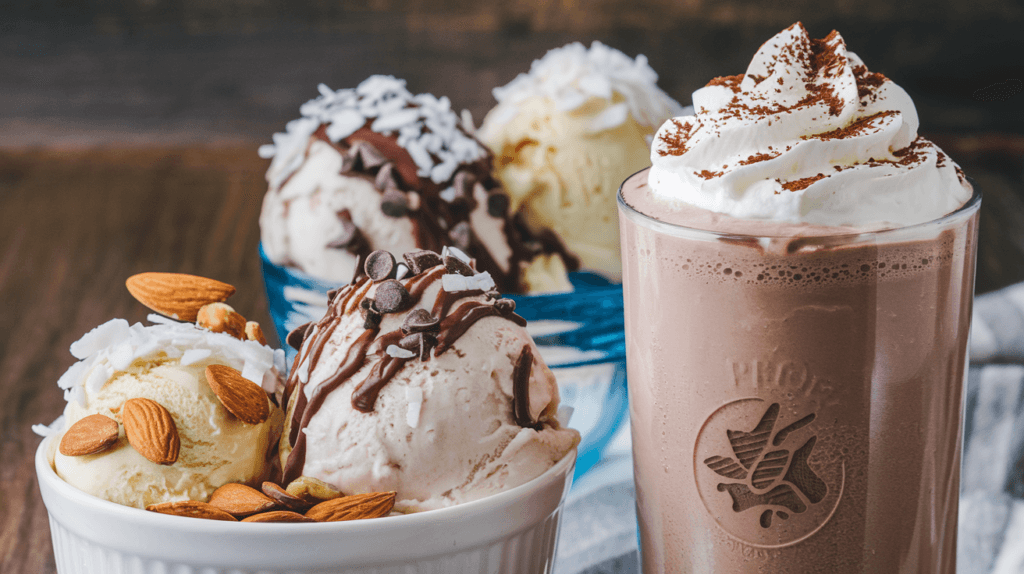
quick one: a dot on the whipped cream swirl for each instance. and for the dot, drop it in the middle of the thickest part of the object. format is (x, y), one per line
(807, 135)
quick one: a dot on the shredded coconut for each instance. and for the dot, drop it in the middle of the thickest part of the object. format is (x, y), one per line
(114, 346)
(572, 74)
(425, 125)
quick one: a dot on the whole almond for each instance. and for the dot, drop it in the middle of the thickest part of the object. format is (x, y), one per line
(177, 295)
(278, 516)
(240, 500)
(240, 396)
(221, 318)
(151, 430)
(311, 489)
(282, 497)
(90, 435)
(191, 509)
(254, 332)
(354, 507)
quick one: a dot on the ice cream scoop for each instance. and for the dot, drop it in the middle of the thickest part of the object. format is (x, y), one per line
(567, 133)
(425, 383)
(175, 433)
(377, 167)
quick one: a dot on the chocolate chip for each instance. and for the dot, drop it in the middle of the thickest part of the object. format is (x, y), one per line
(391, 297)
(388, 178)
(420, 320)
(420, 261)
(350, 238)
(297, 335)
(380, 265)
(505, 306)
(420, 343)
(455, 265)
(461, 235)
(497, 204)
(493, 294)
(365, 157)
(394, 203)
(463, 185)
(371, 316)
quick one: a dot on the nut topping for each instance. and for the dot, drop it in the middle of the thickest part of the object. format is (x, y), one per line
(240, 396)
(177, 295)
(151, 430)
(90, 435)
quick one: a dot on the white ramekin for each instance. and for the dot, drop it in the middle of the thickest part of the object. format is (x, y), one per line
(514, 532)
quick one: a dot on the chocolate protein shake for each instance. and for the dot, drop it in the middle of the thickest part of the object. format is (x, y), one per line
(798, 273)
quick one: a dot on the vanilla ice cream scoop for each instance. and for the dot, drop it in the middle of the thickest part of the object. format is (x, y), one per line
(566, 134)
(377, 167)
(426, 384)
(166, 363)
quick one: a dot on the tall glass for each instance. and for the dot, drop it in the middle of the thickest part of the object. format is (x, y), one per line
(796, 401)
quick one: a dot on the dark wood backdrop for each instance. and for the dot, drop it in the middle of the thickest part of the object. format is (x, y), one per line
(129, 128)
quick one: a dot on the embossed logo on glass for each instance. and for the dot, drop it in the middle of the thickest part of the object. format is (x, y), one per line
(769, 476)
(763, 475)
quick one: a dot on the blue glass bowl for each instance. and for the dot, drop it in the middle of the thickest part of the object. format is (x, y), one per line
(580, 335)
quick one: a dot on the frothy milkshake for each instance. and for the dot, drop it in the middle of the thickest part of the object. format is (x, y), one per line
(798, 273)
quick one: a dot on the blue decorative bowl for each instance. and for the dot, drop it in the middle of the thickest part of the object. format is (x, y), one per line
(581, 335)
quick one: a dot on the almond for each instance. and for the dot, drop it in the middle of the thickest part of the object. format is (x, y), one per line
(192, 509)
(254, 332)
(240, 396)
(221, 318)
(278, 516)
(240, 500)
(151, 430)
(354, 507)
(282, 497)
(90, 435)
(177, 295)
(312, 490)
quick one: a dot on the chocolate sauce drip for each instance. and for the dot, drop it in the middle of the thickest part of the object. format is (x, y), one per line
(384, 341)
(354, 360)
(365, 394)
(456, 324)
(418, 286)
(521, 388)
(446, 299)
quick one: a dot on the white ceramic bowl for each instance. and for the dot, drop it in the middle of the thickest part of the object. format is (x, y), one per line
(514, 532)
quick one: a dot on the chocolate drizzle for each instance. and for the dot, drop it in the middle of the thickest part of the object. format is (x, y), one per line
(521, 388)
(436, 221)
(371, 343)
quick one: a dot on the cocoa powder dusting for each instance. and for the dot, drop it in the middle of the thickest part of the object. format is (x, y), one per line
(675, 140)
(731, 82)
(759, 157)
(856, 128)
(802, 183)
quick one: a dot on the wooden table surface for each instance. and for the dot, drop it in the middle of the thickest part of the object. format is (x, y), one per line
(75, 223)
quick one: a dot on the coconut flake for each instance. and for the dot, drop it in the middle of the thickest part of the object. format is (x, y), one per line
(610, 117)
(399, 353)
(453, 283)
(110, 333)
(414, 398)
(193, 356)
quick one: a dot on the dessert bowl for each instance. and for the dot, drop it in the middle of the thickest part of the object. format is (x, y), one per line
(512, 532)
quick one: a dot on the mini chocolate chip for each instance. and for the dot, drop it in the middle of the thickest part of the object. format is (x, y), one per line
(455, 265)
(420, 261)
(420, 343)
(461, 235)
(380, 265)
(420, 320)
(463, 184)
(388, 178)
(371, 319)
(493, 294)
(394, 203)
(297, 335)
(391, 297)
(497, 204)
(365, 157)
(505, 306)
(350, 237)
